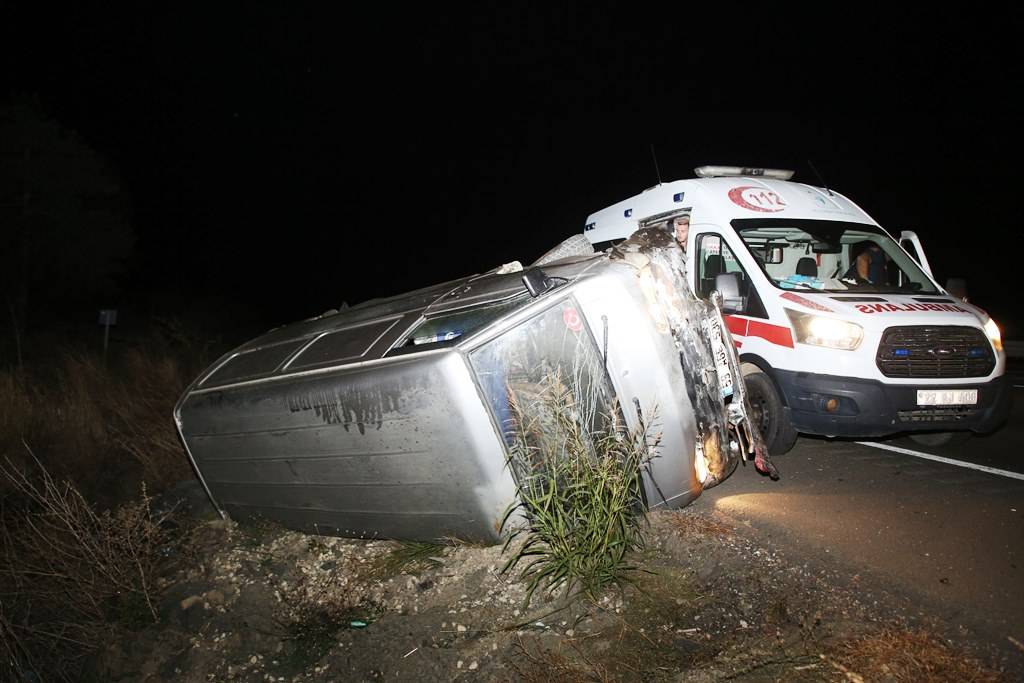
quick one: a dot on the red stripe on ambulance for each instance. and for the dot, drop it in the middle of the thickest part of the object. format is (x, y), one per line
(776, 334)
(736, 325)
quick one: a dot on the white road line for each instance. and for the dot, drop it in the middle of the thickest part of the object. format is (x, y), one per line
(948, 461)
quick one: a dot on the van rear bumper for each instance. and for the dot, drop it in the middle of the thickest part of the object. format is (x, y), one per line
(866, 408)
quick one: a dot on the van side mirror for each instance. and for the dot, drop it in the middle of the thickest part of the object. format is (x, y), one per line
(728, 286)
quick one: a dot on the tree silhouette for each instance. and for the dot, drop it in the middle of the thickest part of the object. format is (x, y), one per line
(65, 221)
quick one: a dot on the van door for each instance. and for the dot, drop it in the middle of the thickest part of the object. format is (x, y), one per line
(912, 245)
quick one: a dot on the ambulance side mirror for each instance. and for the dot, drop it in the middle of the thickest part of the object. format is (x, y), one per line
(957, 286)
(728, 286)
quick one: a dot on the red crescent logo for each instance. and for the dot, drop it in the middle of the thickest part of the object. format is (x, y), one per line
(756, 199)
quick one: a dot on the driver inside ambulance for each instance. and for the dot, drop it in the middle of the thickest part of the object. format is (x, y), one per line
(871, 265)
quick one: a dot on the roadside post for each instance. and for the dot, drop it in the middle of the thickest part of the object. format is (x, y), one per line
(108, 317)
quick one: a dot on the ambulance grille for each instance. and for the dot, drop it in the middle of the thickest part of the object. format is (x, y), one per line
(932, 351)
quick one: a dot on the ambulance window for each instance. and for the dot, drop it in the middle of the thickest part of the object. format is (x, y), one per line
(822, 255)
(714, 257)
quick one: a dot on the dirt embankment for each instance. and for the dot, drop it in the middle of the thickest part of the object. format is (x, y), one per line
(707, 603)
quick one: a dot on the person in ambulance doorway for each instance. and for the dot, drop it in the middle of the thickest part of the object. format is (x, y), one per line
(681, 228)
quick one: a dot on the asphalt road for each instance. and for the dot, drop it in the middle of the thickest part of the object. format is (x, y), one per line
(949, 537)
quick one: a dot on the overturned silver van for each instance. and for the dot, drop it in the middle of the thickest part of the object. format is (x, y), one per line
(391, 418)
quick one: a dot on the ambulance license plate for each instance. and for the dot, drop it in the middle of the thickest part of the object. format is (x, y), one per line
(947, 397)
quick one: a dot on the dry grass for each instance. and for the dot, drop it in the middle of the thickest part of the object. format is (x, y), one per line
(71, 578)
(16, 404)
(16, 660)
(312, 610)
(688, 523)
(534, 664)
(98, 425)
(409, 557)
(142, 425)
(76, 431)
(909, 657)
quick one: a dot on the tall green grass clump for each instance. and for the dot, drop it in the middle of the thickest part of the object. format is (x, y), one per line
(581, 508)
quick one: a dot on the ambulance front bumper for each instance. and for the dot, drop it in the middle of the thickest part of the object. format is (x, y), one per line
(844, 406)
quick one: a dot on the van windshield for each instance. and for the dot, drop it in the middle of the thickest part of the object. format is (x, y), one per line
(831, 256)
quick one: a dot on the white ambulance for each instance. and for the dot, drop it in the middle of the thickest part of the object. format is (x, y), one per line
(841, 331)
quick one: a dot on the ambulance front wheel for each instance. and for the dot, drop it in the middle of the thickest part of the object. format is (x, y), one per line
(770, 413)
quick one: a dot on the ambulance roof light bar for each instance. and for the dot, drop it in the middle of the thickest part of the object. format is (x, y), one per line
(729, 171)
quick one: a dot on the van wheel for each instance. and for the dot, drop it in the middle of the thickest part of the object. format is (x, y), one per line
(934, 439)
(770, 414)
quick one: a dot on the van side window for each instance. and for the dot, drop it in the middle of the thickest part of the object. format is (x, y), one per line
(714, 257)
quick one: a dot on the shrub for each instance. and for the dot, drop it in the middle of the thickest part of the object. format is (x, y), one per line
(72, 577)
(580, 492)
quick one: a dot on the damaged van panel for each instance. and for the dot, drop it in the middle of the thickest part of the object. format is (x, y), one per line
(393, 418)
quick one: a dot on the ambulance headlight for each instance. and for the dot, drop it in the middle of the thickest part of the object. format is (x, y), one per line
(994, 335)
(829, 332)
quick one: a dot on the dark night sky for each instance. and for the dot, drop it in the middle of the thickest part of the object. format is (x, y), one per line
(284, 160)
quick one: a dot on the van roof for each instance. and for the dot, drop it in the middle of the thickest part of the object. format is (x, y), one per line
(719, 200)
(369, 330)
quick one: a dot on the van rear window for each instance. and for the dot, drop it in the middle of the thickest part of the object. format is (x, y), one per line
(552, 349)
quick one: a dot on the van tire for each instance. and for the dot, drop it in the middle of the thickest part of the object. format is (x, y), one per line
(770, 414)
(936, 439)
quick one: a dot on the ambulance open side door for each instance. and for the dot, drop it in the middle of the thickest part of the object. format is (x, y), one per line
(912, 245)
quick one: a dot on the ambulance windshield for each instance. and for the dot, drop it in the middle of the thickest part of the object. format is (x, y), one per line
(831, 256)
